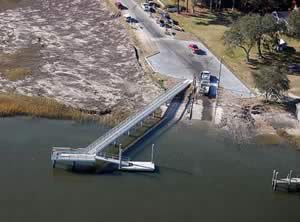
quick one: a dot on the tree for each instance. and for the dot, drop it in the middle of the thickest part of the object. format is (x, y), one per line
(272, 81)
(242, 34)
(264, 6)
(294, 24)
(266, 29)
(194, 3)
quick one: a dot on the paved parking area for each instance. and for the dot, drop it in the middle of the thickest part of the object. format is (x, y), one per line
(176, 59)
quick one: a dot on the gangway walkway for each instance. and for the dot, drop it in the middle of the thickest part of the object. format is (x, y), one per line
(90, 153)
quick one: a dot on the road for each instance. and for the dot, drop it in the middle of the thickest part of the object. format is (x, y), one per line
(176, 60)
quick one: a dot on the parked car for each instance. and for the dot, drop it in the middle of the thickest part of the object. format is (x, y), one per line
(281, 46)
(152, 10)
(165, 15)
(294, 68)
(130, 19)
(281, 17)
(178, 28)
(161, 23)
(172, 9)
(193, 47)
(152, 4)
(214, 81)
(204, 79)
(146, 7)
(205, 76)
(212, 92)
(120, 6)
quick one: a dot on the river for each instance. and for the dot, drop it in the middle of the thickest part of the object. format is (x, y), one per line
(202, 176)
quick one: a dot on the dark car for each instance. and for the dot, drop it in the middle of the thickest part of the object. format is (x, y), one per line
(294, 68)
(161, 23)
(152, 10)
(212, 92)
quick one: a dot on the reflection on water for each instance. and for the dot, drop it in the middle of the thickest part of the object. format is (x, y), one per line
(202, 176)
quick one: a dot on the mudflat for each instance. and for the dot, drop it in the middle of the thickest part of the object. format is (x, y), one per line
(78, 54)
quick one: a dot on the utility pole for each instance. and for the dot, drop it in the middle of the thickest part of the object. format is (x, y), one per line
(152, 153)
(187, 6)
(120, 156)
(219, 80)
(220, 71)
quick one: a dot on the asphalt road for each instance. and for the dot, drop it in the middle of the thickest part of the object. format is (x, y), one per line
(176, 59)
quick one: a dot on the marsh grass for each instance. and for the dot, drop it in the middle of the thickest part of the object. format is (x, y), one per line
(15, 74)
(19, 105)
(12, 105)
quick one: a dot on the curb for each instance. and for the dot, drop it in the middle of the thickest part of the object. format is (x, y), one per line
(147, 57)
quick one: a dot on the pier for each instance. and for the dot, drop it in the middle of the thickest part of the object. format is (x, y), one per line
(96, 150)
(288, 183)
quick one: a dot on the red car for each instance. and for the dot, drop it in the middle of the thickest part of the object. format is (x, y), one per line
(193, 47)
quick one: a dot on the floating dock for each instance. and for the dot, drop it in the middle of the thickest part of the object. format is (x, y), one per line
(124, 164)
(289, 183)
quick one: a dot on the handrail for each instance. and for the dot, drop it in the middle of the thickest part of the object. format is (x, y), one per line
(104, 140)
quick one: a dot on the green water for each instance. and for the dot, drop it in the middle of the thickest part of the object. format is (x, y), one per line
(202, 176)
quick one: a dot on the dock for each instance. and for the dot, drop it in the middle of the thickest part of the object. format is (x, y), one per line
(124, 164)
(97, 150)
(289, 183)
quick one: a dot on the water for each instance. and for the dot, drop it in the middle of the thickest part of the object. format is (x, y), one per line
(202, 176)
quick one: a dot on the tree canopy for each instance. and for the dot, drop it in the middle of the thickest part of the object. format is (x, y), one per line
(243, 34)
(255, 6)
(294, 23)
(272, 81)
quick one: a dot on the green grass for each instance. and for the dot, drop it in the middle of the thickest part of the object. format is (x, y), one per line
(209, 28)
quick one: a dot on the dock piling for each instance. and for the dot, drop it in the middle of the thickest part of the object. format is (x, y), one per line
(152, 153)
(273, 177)
(120, 156)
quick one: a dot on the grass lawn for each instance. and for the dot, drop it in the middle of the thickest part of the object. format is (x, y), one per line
(209, 28)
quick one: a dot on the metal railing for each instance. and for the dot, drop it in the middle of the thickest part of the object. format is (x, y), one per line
(127, 124)
(72, 156)
(112, 156)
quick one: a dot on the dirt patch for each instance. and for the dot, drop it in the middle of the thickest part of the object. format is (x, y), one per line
(79, 54)
(249, 120)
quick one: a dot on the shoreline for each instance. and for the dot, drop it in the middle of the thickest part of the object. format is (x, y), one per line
(13, 105)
